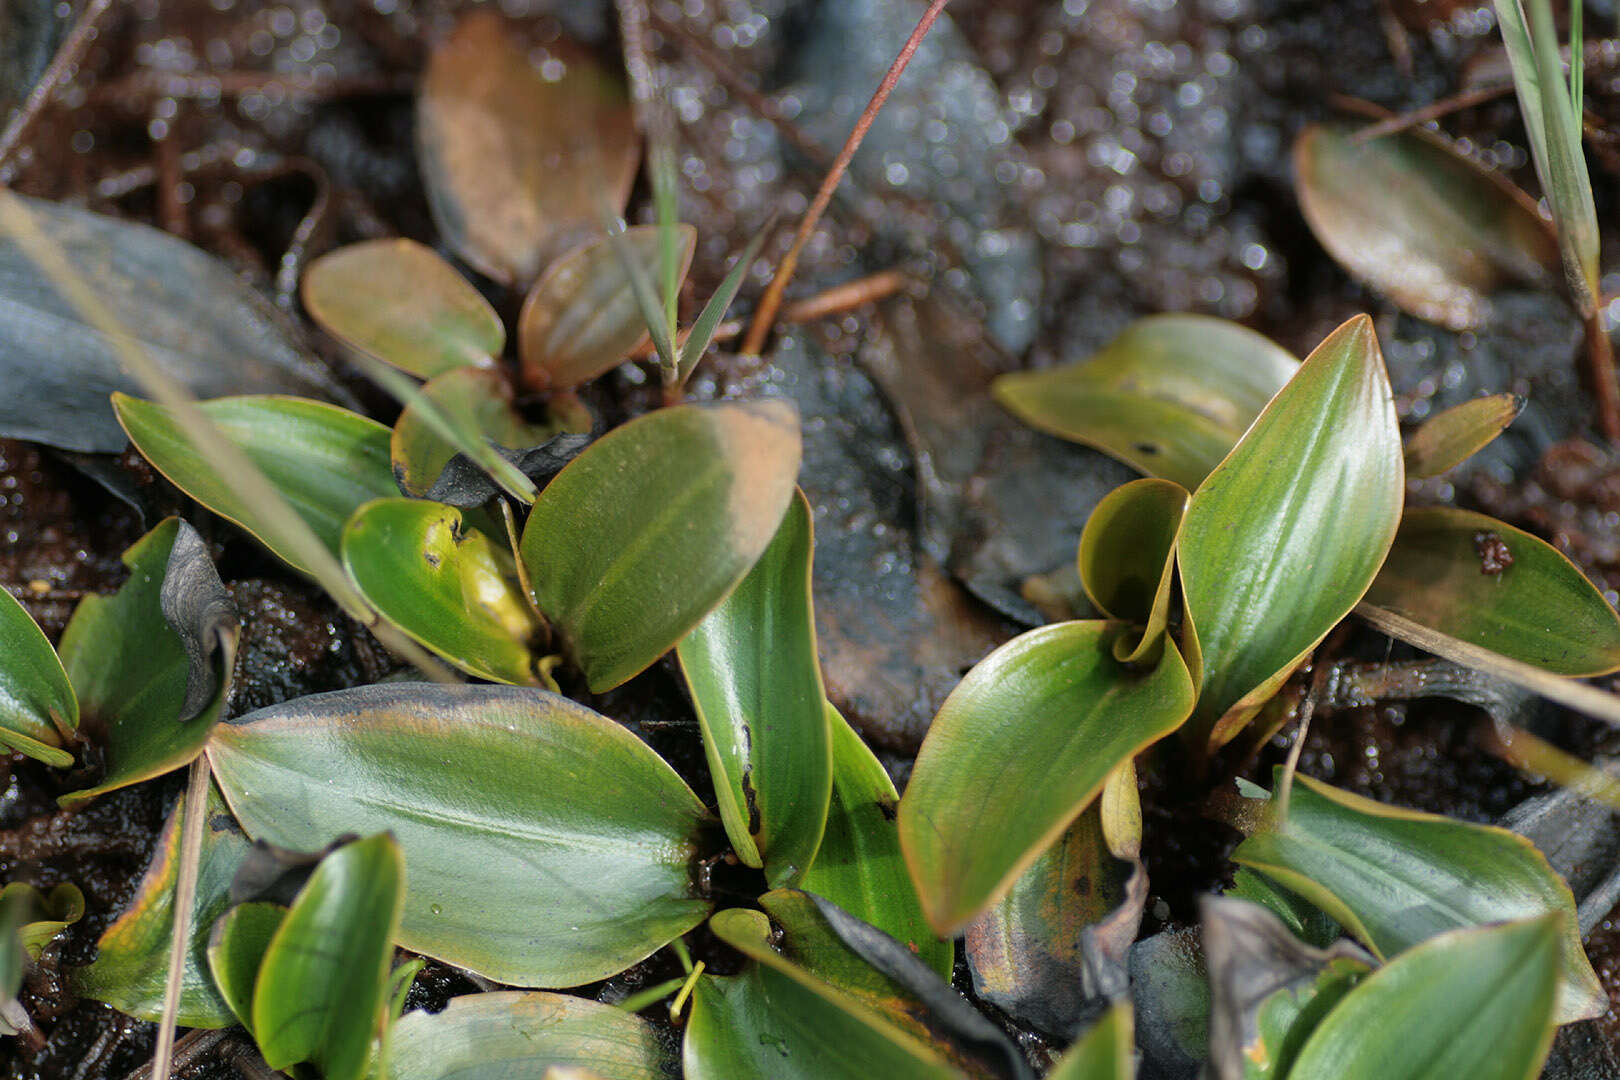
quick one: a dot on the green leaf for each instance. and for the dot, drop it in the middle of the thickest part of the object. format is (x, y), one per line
(1418, 222)
(323, 982)
(129, 669)
(397, 301)
(236, 951)
(1396, 877)
(859, 866)
(547, 845)
(1127, 558)
(324, 460)
(1304, 919)
(1105, 1052)
(1019, 748)
(647, 530)
(581, 318)
(479, 404)
(1482, 581)
(1475, 1003)
(443, 583)
(1449, 438)
(519, 1036)
(781, 1020)
(756, 687)
(32, 918)
(1287, 533)
(132, 957)
(1169, 396)
(708, 321)
(36, 698)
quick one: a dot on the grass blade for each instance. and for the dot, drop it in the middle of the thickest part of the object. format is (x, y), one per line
(708, 321)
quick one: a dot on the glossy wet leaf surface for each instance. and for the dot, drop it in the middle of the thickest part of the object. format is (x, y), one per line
(37, 702)
(1396, 877)
(646, 531)
(546, 845)
(755, 680)
(1127, 558)
(478, 402)
(1170, 396)
(320, 993)
(1032, 732)
(1476, 1003)
(523, 1035)
(1449, 438)
(516, 163)
(325, 461)
(1482, 581)
(1105, 1051)
(37, 917)
(581, 318)
(1283, 538)
(130, 669)
(397, 301)
(1418, 222)
(859, 866)
(132, 957)
(445, 583)
(189, 312)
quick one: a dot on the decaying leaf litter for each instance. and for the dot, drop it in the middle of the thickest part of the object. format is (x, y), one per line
(1111, 163)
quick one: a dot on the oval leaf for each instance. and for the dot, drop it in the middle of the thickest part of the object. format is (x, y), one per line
(322, 985)
(1418, 222)
(1480, 580)
(130, 670)
(756, 686)
(325, 460)
(132, 957)
(1017, 751)
(479, 403)
(1396, 877)
(645, 532)
(515, 158)
(1169, 396)
(1287, 533)
(188, 312)
(581, 318)
(37, 702)
(1474, 1003)
(443, 583)
(1450, 438)
(522, 1036)
(398, 301)
(236, 951)
(859, 866)
(547, 845)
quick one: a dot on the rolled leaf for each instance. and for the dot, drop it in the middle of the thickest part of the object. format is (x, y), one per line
(755, 679)
(646, 531)
(443, 583)
(1476, 1003)
(1481, 581)
(547, 845)
(1169, 396)
(1033, 731)
(1127, 558)
(1394, 878)
(37, 702)
(324, 460)
(397, 301)
(1284, 537)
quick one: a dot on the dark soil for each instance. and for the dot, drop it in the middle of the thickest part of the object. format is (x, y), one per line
(1144, 162)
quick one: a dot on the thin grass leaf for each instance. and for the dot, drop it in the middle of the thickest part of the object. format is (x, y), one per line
(667, 201)
(646, 299)
(708, 321)
(1577, 61)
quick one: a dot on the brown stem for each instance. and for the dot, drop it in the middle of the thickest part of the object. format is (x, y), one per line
(61, 68)
(765, 316)
(1600, 373)
(1434, 111)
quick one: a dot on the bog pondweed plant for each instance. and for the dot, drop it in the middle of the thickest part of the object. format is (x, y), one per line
(518, 835)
